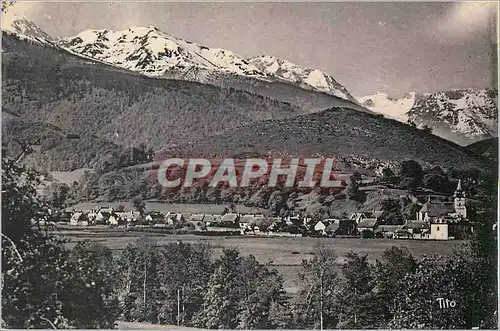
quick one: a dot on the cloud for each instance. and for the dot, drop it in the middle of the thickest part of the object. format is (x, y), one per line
(466, 20)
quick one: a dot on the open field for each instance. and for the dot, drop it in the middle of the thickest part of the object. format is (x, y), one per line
(285, 254)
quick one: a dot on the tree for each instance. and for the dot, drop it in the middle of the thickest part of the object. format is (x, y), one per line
(478, 259)
(391, 211)
(43, 286)
(139, 204)
(223, 296)
(427, 128)
(139, 282)
(389, 272)
(60, 193)
(184, 272)
(411, 174)
(316, 304)
(243, 293)
(357, 307)
(436, 182)
(388, 176)
(120, 208)
(98, 307)
(419, 303)
(352, 190)
(264, 303)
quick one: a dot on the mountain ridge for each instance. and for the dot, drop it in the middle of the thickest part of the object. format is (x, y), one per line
(338, 132)
(155, 53)
(463, 116)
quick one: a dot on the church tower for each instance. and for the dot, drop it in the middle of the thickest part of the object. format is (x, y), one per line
(459, 202)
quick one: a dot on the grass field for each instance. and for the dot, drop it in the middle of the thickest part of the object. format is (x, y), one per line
(285, 254)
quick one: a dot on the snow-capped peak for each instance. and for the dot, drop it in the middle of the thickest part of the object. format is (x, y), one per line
(391, 107)
(153, 52)
(462, 116)
(157, 54)
(305, 77)
(23, 27)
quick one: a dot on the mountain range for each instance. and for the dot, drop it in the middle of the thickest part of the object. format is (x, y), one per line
(463, 116)
(70, 88)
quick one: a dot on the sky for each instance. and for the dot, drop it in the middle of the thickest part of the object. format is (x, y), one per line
(390, 47)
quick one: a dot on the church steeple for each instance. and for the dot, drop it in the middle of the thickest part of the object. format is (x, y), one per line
(459, 193)
(459, 202)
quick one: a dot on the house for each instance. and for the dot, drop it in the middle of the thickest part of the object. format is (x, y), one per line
(388, 231)
(432, 210)
(92, 215)
(448, 220)
(293, 220)
(102, 216)
(367, 224)
(62, 216)
(132, 216)
(247, 220)
(155, 217)
(439, 229)
(212, 219)
(79, 218)
(342, 227)
(321, 226)
(361, 216)
(402, 233)
(449, 227)
(196, 218)
(266, 224)
(113, 220)
(276, 224)
(175, 218)
(417, 229)
(230, 220)
(76, 217)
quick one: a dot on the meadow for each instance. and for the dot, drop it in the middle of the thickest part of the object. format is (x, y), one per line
(284, 254)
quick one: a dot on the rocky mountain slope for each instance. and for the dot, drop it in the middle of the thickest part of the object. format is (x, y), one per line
(462, 116)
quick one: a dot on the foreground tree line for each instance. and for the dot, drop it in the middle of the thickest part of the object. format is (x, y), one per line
(45, 285)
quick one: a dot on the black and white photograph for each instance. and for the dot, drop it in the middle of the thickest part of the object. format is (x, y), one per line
(249, 165)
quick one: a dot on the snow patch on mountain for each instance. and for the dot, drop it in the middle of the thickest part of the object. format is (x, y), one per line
(304, 77)
(153, 53)
(393, 108)
(462, 116)
(156, 54)
(24, 29)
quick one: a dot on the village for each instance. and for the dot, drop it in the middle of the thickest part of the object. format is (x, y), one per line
(436, 220)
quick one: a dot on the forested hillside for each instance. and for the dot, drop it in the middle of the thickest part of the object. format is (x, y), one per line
(48, 85)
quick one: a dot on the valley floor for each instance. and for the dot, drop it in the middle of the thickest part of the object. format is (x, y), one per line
(285, 254)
